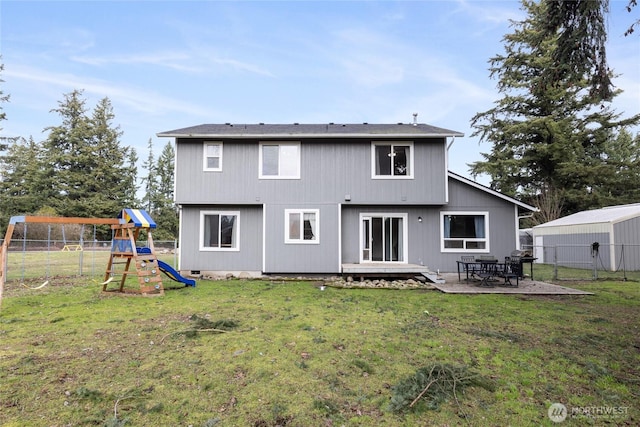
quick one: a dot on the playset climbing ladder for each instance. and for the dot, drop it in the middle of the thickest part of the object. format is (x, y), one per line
(127, 260)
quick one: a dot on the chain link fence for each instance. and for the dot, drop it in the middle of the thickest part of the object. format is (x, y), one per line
(45, 259)
(590, 262)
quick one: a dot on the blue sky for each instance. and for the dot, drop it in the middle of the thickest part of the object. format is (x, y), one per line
(166, 65)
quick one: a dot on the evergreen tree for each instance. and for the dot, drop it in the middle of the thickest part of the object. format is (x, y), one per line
(632, 28)
(149, 182)
(166, 214)
(106, 186)
(619, 172)
(549, 140)
(66, 150)
(89, 174)
(3, 116)
(20, 191)
(130, 178)
(581, 44)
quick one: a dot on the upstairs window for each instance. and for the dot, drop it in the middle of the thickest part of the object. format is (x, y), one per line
(392, 160)
(301, 226)
(280, 160)
(465, 231)
(219, 231)
(212, 156)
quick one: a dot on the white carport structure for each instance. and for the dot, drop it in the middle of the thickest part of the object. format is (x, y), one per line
(616, 229)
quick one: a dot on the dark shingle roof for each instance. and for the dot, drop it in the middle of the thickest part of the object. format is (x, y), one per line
(310, 130)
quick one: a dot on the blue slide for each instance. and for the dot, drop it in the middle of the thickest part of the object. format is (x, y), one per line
(174, 275)
(168, 270)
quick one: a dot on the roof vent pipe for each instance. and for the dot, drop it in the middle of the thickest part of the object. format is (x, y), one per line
(415, 119)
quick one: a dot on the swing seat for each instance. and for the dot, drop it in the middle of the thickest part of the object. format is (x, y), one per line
(37, 287)
(106, 282)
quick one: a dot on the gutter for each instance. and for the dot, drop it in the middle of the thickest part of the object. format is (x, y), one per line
(306, 135)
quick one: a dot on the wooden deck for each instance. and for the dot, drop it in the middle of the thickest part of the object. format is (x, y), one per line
(383, 268)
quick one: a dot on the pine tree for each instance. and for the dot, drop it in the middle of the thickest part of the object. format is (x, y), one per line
(632, 27)
(548, 139)
(20, 191)
(149, 182)
(106, 187)
(581, 44)
(88, 172)
(166, 213)
(130, 178)
(66, 150)
(3, 116)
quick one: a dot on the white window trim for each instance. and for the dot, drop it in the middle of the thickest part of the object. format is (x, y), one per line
(487, 239)
(279, 143)
(301, 240)
(201, 231)
(205, 157)
(374, 144)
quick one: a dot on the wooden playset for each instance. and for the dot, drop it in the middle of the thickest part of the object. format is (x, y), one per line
(125, 259)
(124, 251)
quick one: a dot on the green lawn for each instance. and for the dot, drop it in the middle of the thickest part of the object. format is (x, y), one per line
(289, 354)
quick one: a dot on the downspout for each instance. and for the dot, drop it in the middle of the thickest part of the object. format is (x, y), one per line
(340, 238)
(446, 170)
(453, 139)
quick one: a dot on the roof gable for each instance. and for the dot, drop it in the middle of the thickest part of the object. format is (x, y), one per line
(491, 192)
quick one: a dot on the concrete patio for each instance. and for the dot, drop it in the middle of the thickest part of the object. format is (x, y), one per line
(452, 285)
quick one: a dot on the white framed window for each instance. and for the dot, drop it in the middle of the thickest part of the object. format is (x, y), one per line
(392, 160)
(219, 230)
(280, 160)
(464, 231)
(302, 226)
(212, 156)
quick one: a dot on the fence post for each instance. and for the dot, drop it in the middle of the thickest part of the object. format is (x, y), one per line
(555, 263)
(594, 255)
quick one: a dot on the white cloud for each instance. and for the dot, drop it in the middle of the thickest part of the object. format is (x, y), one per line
(173, 60)
(141, 101)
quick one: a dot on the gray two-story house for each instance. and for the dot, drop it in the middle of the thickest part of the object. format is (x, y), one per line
(331, 199)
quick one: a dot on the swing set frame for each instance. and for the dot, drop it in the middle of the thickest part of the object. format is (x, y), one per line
(4, 248)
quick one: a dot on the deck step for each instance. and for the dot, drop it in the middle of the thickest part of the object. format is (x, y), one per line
(433, 277)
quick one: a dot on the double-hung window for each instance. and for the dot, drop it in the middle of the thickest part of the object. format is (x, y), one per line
(219, 230)
(464, 231)
(301, 226)
(392, 160)
(280, 160)
(212, 156)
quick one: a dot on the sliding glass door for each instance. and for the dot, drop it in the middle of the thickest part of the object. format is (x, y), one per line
(383, 237)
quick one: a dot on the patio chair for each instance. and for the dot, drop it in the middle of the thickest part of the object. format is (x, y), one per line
(469, 265)
(487, 275)
(512, 270)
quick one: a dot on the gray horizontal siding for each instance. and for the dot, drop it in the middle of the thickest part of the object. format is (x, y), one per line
(425, 238)
(503, 235)
(281, 257)
(249, 258)
(330, 170)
